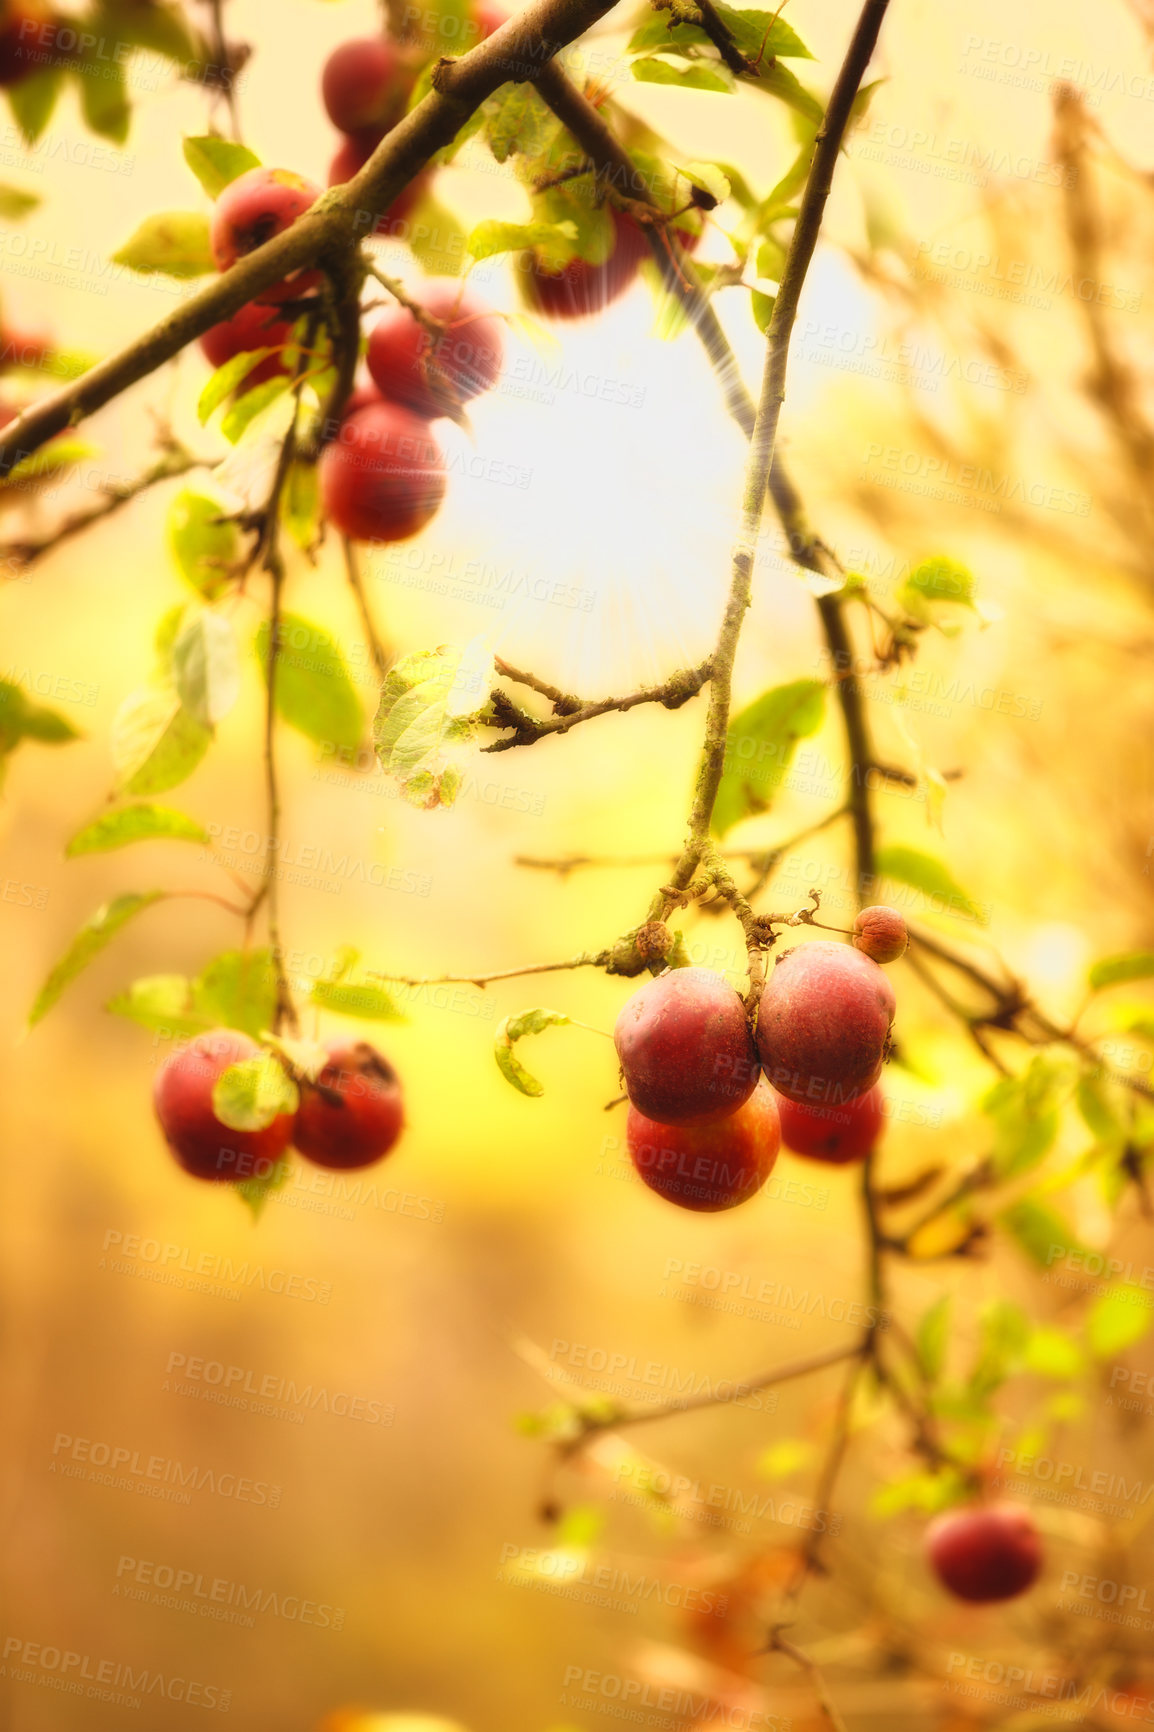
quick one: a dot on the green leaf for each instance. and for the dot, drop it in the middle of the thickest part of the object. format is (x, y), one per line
(1100, 1104)
(172, 244)
(249, 405)
(226, 379)
(155, 25)
(15, 203)
(932, 877)
(88, 943)
(1038, 1230)
(1111, 970)
(251, 1094)
(217, 162)
(762, 310)
(1118, 1319)
(920, 1490)
(490, 238)
(156, 744)
(697, 75)
(161, 1003)
(759, 748)
(32, 100)
(300, 503)
(59, 454)
(764, 34)
(1026, 1111)
(22, 719)
(512, 1029)
(255, 1193)
(935, 581)
(574, 204)
(206, 666)
(517, 122)
(771, 259)
(708, 178)
(932, 1338)
(1050, 1353)
(429, 708)
(364, 999)
(436, 238)
(104, 98)
(238, 990)
(135, 824)
(314, 691)
(1005, 1330)
(206, 550)
(778, 81)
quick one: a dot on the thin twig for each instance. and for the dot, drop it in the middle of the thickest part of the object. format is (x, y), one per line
(589, 959)
(383, 658)
(527, 729)
(176, 461)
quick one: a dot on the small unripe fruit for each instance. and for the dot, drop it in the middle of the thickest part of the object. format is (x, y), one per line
(353, 1113)
(685, 1047)
(708, 1167)
(363, 86)
(837, 1134)
(436, 375)
(653, 941)
(182, 1096)
(383, 477)
(823, 1024)
(579, 289)
(252, 209)
(880, 933)
(985, 1553)
(254, 327)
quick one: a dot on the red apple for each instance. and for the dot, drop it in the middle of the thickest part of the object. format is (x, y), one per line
(252, 209)
(254, 327)
(182, 1096)
(579, 289)
(685, 1047)
(837, 1134)
(823, 1025)
(365, 86)
(712, 1166)
(383, 477)
(985, 1553)
(436, 376)
(353, 1113)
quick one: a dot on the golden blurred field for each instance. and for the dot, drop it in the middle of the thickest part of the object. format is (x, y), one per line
(941, 399)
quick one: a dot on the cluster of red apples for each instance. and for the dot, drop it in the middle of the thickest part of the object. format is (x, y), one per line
(349, 1115)
(712, 1100)
(382, 476)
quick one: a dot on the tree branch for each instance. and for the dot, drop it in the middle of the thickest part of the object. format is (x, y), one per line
(761, 448)
(527, 729)
(174, 462)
